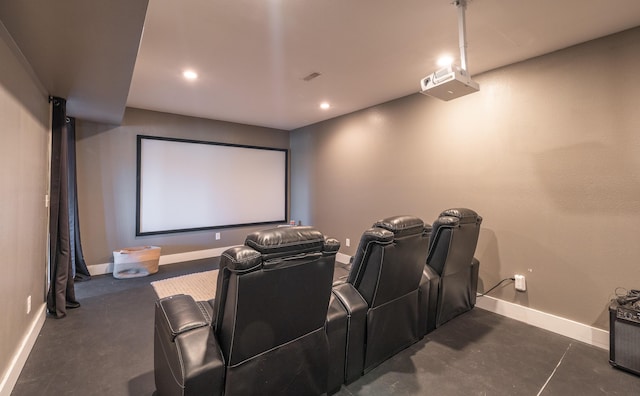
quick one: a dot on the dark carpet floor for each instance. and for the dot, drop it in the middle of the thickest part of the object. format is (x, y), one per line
(106, 348)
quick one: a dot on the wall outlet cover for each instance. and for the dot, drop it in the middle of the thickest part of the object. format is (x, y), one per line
(521, 283)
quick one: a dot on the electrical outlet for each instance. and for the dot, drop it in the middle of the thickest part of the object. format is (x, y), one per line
(217, 236)
(348, 242)
(521, 283)
(28, 305)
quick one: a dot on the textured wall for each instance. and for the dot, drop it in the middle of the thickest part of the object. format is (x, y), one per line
(107, 180)
(24, 169)
(548, 152)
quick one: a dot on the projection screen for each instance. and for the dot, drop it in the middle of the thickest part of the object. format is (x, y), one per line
(189, 185)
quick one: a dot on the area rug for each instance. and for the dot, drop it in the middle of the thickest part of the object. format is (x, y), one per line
(200, 285)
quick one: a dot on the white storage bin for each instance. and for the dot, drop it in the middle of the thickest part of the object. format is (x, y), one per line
(136, 261)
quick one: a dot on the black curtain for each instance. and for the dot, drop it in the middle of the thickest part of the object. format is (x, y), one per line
(65, 250)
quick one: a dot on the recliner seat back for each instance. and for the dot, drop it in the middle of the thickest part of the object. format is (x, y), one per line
(388, 245)
(451, 249)
(270, 292)
(386, 272)
(264, 333)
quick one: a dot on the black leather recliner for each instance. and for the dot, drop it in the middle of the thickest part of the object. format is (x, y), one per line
(450, 278)
(265, 331)
(381, 294)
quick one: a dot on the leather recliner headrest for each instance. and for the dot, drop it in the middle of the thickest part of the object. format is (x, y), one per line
(288, 241)
(464, 215)
(402, 225)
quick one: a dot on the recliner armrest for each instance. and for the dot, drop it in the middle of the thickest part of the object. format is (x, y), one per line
(181, 313)
(187, 357)
(336, 329)
(475, 269)
(357, 308)
(428, 300)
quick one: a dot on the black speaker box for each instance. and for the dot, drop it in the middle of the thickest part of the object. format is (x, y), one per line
(624, 337)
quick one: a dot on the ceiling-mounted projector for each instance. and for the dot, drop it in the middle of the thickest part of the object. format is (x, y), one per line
(452, 81)
(448, 83)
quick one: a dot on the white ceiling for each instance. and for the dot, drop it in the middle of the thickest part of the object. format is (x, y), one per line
(252, 55)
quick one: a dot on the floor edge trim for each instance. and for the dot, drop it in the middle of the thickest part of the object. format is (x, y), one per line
(19, 359)
(563, 326)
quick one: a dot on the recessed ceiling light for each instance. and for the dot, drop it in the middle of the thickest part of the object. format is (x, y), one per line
(324, 105)
(190, 74)
(445, 60)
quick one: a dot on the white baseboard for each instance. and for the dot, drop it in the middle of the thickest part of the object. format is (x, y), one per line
(343, 258)
(107, 268)
(566, 327)
(20, 358)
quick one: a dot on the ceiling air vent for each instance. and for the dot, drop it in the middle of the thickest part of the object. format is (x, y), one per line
(311, 76)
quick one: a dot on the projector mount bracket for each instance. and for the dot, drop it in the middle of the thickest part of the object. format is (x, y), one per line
(462, 33)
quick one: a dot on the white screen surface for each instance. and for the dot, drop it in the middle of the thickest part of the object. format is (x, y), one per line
(185, 185)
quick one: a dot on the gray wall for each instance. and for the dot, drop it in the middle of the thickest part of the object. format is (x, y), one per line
(106, 157)
(24, 113)
(548, 152)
